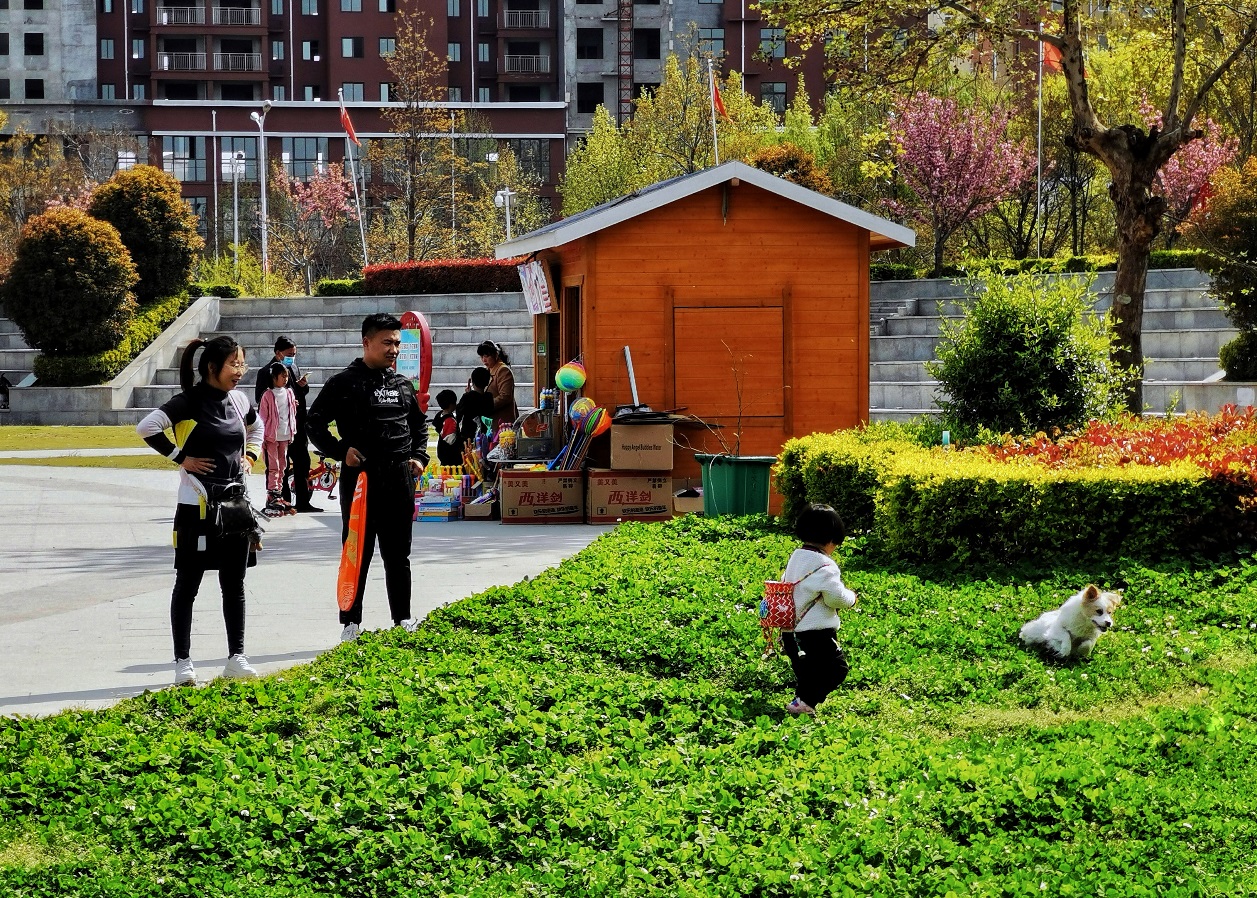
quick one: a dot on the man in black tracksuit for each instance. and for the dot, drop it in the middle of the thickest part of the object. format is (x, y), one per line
(384, 434)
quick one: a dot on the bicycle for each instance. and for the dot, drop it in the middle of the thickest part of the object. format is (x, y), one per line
(323, 476)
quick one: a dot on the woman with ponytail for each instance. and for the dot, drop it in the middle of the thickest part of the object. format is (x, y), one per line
(501, 382)
(215, 431)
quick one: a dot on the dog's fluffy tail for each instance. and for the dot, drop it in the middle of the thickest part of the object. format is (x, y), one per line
(1036, 630)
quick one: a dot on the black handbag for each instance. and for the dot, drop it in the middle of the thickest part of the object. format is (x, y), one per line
(230, 511)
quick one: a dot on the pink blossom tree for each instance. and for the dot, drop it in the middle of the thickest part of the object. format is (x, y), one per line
(1183, 181)
(311, 219)
(959, 164)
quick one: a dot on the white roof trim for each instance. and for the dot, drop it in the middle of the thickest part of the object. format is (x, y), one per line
(622, 210)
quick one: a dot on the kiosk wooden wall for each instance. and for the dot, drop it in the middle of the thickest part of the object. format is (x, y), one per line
(731, 282)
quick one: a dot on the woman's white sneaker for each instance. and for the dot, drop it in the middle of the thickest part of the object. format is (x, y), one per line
(239, 668)
(185, 673)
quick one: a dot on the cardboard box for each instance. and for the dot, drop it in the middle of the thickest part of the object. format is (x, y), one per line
(542, 497)
(688, 504)
(641, 447)
(628, 496)
(481, 511)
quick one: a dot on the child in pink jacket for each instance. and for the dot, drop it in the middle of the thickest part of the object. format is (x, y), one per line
(278, 412)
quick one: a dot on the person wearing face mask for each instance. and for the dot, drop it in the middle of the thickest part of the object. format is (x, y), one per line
(298, 448)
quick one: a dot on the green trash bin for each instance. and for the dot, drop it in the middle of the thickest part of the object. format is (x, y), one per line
(735, 484)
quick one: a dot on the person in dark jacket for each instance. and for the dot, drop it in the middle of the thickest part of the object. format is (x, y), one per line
(215, 432)
(384, 434)
(298, 448)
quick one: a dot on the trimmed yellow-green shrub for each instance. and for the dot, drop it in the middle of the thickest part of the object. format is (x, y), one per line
(100, 367)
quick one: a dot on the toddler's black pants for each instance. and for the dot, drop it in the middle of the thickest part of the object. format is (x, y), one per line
(819, 664)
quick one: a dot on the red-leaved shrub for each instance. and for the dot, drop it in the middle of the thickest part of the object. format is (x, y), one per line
(441, 276)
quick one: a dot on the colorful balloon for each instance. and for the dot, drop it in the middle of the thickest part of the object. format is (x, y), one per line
(599, 422)
(580, 410)
(570, 378)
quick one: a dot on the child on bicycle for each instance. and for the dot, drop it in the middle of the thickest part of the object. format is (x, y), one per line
(278, 412)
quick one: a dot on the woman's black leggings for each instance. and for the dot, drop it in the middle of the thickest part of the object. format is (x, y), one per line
(187, 585)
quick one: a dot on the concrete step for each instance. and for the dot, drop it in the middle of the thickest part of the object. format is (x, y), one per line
(902, 349)
(12, 340)
(295, 306)
(1190, 369)
(18, 359)
(335, 356)
(247, 332)
(900, 415)
(1154, 319)
(897, 372)
(1193, 344)
(276, 324)
(903, 394)
(1154, 301)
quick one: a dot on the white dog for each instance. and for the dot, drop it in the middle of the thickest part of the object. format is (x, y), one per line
(1071, 631)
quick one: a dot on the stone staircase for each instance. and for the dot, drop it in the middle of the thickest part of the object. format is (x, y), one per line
(328, 334)
(17, 360)
(1183, 330)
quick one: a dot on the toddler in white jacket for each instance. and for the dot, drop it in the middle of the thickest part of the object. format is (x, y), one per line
(819, 664)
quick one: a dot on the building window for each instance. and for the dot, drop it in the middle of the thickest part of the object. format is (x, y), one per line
(589, 43)
(532, 155)
(388, 5)
(5, 90)
(645, 43)
(456, 94)
(127, 160)
(312, 92)
(714, 38)
(4, 44)
(484, 95)
(305, 156)
(247, 148)
(309, 7)
(710, 1)
(484, 52)
(310, 51)
(351, 47)
(351, 5)
(34, 42)
(137, 48)
(388, 46)
(455, 52)
(278, 92)
(107, 92)
(277, 49)
(32, 4)
(106, 5)
(139, 91)
(773, 93)
(106, 47)
(352, 90)
(596, 2)
(277, 7)
(137, 6)
(451, 8)
(645, 2)
(384, 91)
(588, 96)
(184, 157)
(772, 43)
(482, 8)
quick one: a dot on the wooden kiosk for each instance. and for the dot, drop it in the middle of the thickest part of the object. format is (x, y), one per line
(742, 296)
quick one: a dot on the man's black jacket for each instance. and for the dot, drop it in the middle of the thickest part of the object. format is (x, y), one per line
(375, 411)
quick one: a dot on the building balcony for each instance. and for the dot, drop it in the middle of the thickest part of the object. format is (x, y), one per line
(237, 15)
(237, 62)
(524, 65)
(181, 62)
(181, 15)
(529, 19)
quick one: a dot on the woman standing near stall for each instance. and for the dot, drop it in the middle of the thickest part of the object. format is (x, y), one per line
(215, 430)
(501, 382)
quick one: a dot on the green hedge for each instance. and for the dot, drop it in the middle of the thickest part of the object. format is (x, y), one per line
(441, 276)
(1157, 259)
(101, 367)
(225, 291)
(939, 506)
(338, 287)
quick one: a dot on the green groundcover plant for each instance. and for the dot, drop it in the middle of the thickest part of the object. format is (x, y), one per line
(610, 729)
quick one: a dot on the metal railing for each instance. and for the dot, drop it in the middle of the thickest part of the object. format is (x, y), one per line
(526, 18)
(237, 62)
(526, 65)
(181, 15)
(237, 15)
(181, 62)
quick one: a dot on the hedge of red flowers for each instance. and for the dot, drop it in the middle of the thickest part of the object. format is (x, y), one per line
(441, 276)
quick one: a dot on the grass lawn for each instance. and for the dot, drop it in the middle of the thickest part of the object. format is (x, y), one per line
(68, 437)
(610, 729)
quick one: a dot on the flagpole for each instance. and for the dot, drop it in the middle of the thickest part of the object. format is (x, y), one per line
(353, 177)
(711, 96)
(1038, 178)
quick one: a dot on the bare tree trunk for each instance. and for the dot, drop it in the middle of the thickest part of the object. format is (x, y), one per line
(1139, 216)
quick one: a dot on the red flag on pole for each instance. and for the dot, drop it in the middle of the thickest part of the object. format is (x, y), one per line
(1052, 58)
(348, 126)
(717, 100)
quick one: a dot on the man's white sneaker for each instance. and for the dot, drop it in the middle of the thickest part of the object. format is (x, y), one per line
(185, 673)
(350, 633)
(410, 624)
(239, 668)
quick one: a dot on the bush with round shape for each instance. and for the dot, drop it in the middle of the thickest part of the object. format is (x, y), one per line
(793, 163)
(1029, 355)
(1239, 357)
(147, 207)
(69, 289)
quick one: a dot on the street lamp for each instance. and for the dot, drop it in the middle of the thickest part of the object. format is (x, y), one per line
(237, 168)
(260, 121)
(502, 199)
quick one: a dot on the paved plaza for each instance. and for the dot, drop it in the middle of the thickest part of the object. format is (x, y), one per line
(87, 569)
